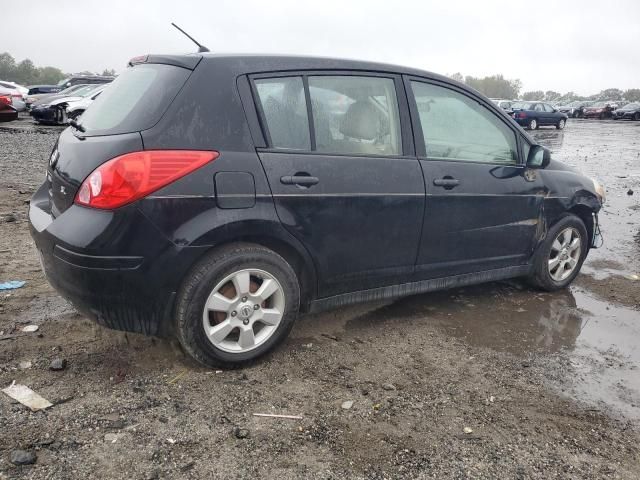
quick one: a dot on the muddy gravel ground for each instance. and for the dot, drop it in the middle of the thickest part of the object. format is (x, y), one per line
(545, 385)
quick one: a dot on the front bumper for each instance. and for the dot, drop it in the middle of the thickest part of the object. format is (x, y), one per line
(44, 114)
(115, 267)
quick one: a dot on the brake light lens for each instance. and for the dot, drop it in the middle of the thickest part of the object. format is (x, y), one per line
(6, 99)
(135, 175)
(521, 115)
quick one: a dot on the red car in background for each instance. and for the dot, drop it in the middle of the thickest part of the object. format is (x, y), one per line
(7, 112)
(600, 110)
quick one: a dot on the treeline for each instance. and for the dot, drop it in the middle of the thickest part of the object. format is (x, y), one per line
(26, 73)
(630, 95)
(496, 86)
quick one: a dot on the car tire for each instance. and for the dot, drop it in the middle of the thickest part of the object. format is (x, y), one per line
(221, 279)
(636, 116)
(533, 124)
(561, 124)
(557, 250)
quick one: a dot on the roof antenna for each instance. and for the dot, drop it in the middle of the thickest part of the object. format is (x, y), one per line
(201, 48)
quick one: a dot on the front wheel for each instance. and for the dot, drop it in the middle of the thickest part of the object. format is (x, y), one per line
(561, 124)
(533, 124)
(236, 305)
(636, 116)
(559, 257)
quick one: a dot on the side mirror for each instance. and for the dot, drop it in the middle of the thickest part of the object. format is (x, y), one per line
(539, 157)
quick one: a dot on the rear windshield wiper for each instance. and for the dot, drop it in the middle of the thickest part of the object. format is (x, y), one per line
(77, 126)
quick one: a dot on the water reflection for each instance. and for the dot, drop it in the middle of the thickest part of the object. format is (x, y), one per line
(550, 138)
(598, 337)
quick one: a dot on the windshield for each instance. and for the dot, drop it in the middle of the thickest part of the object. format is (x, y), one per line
(135, 100)
(632, 106)
(522, 106)
(599, 104)
(67, 91)
(63, 81)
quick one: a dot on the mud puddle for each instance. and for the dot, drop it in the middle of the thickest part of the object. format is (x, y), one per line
(595, 341)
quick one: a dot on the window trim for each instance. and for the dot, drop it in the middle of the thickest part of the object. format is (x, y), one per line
(418, 135)
(404, 116)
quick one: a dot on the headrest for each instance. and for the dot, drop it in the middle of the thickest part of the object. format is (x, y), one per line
(361, 121)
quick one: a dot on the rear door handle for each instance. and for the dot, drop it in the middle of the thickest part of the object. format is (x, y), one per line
(300, 180)
(447, 182)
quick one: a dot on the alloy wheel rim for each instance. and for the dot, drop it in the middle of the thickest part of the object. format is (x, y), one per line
(565, 254)
(561, 124)
(534, 124)
(243, 310)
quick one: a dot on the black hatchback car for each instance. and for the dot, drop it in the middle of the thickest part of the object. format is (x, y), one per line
(534, 115)
(215, 197)
(630, 111)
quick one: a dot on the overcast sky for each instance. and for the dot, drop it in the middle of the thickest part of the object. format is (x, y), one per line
(579, 45)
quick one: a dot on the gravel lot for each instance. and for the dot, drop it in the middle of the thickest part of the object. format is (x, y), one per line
(545, 385)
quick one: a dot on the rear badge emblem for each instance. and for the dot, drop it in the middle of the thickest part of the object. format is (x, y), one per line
(63, 190)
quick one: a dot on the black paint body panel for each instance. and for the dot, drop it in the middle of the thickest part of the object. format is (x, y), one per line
(372, 227)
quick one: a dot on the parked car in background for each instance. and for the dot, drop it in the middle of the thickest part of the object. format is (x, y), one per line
(39, 91)
(599, 110)
(38, 98)
(533, 115)
(53, 111)
(503, 104)
(575, 109)
(7, 112)
(75, 91)
(17, 94)
(84, 80)
(75, 108)
(214, 197)
(630, 111)
(5, 84)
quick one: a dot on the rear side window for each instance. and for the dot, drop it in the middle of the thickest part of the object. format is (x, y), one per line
(285, 111)
(351, 115)
(458, 128)
(134, 101)
(355, 115)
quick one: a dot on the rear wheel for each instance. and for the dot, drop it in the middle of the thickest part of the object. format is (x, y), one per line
(236, 305)
(561, 124)
(533, 124)
(559, 257)
(636, 116)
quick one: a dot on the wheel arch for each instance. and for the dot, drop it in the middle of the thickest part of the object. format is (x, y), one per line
(273, 236)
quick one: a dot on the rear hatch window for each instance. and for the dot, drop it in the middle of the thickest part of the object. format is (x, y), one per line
(134, 101)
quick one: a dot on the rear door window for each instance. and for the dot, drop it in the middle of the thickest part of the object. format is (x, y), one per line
(284, 109)
(355, 115)
(134, 101)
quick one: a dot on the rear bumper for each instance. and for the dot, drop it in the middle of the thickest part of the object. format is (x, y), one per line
(114, 267)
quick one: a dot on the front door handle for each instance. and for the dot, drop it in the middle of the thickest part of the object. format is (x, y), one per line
(300, 180)
(446, 182)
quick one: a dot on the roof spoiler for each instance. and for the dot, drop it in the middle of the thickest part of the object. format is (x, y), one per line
(189, 61)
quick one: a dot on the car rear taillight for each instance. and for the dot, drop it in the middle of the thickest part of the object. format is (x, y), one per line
(521, 115)
(6, 99)
(135, 175)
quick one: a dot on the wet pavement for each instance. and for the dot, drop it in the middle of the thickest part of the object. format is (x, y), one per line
(550, 382)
